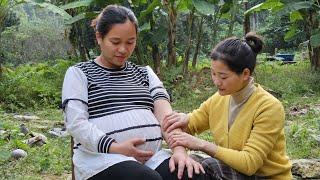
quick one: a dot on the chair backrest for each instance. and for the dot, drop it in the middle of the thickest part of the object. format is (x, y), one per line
(72, 166)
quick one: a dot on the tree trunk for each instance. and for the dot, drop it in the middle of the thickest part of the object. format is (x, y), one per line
(199, 39)
(246, 22)
(1, 58)
(254, 22)
(76, 38)
(138, 54)
(232, 18)
(155, 49)
(156, 58)
(316, 58)
(188, 47)
(314, 52)
(171, 35)
(216, 19)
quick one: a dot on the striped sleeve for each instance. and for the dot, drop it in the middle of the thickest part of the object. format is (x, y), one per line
(156, 87)
(86, 134)
(74, 86)
(104, 144)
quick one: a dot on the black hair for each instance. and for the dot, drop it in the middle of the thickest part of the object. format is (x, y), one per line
(238, 54)
(110, 15)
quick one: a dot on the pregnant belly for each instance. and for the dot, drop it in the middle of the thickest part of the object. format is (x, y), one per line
(150, 132)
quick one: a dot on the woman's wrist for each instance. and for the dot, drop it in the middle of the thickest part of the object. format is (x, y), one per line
(208, 148)
(114, 147)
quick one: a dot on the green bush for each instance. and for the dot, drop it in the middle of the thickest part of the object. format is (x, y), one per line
(40, 35)
(33, 85)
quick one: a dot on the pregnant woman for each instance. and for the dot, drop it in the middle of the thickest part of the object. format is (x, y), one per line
(114, 110)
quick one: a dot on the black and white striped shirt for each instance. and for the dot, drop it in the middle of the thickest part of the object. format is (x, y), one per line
(116, 90)
(118, 105)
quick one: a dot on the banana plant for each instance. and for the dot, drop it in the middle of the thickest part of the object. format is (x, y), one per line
(299, 11)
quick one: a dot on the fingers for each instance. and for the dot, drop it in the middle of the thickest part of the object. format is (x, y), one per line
(168, 120)
(202, 169)
(137, 141)
(189, 166)
(142, 153)
(181, 165)
(143, 156)
(177, 139)
(172, 165)
(197, 166)
(142, 160)
(174, 125)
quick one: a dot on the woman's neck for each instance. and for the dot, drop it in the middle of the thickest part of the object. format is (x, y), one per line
(245, 92)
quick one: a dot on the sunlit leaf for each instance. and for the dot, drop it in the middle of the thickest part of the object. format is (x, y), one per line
(204, 7)
(149, 9)
(294, 6)
(295, 16)
(76, 4)
(81, 16)
(267, 5)
(50, 7)
(291, 33)
(145, 27)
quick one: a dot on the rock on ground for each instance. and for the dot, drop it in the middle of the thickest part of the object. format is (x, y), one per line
(306, 168)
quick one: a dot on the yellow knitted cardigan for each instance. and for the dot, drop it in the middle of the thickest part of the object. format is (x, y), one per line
(255, 143)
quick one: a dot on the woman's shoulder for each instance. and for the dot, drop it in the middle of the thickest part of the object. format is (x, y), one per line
(263, 98)
(84, 65)
(138, 69)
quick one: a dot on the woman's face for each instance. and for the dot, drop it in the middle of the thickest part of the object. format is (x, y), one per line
(227, 81)
(118, 45)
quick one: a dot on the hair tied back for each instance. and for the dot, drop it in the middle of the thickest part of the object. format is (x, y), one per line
(254, 41)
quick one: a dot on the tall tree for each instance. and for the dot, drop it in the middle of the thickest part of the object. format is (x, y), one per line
(299, 11)
(190, 23)
(246, 21)
(198, 42)
(233, 12)
(4, 8)
(172, 9)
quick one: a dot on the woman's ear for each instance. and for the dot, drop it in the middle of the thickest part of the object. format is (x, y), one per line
(246, 74)
(98, 38)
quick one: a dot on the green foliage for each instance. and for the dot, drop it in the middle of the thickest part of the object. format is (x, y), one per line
(204, 7)
(39, 36)
(50, 161)
(48, 6)
(33, 85)
(291, 81)
(188, 91)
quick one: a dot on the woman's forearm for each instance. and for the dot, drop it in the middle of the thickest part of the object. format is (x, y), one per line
(208, 148)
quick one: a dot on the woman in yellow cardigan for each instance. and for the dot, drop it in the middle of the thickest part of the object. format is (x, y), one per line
(247, 123)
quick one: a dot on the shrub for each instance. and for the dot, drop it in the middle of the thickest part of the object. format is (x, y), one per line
(33, 85)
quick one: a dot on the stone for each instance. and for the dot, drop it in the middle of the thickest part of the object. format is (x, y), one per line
(316, 138)
(306, 168)
(18, 153)
(197, 91)
(25, 118)
(38, 139)
(58, 132)
(295, 111)
(2, 132)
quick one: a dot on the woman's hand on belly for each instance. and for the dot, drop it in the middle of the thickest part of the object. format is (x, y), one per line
(128, 148)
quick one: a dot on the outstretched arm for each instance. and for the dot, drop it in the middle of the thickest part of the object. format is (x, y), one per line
(180, 157)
